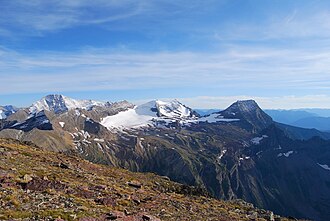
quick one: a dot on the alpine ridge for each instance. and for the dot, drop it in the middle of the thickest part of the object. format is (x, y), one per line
(58, 104)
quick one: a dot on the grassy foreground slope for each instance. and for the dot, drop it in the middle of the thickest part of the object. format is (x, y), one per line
(41, 185)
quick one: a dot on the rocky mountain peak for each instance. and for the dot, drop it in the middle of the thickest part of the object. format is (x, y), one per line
(53, 102)
(250, 113)
(244, 106)
(58, 104)
(7, 110)
(173, 109)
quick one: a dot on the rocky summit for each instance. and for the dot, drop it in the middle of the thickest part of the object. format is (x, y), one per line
(41, 185)
(237, 153)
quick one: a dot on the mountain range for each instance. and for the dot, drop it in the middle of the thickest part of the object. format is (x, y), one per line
(239, 152)
(305, 118)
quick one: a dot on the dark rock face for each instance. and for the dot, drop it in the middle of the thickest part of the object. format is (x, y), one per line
(92, 127)
(6, 111)
(56, 103)
(38, 120)
(6, 124)
(252, 116)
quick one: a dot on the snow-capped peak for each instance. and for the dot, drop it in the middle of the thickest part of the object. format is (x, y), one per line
(150, 113)
(173, 109)
(6, 111)
(59, 103)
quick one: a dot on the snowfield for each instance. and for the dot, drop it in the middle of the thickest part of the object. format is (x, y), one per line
(156, 113)
(136, 117)
(213, 118)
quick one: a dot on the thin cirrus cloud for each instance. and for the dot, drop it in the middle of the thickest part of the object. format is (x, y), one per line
(37, 17)
(303, 21)
(238, 67)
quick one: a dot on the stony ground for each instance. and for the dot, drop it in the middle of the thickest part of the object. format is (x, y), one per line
(41, 185)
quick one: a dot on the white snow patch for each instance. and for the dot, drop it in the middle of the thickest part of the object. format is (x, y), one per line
(324, 166)
(77, 112)
(222, 154)
(86, 141)
(100, 146)
(213, 118)
(18, 123)
(61, 124)
(2, 114)
(287, 154)
(257, 140)
(132, 118)
(140, 144)
(85, 134)
(89, 120)
(99, 140)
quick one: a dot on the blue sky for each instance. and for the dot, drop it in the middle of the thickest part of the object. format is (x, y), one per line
(206, 53)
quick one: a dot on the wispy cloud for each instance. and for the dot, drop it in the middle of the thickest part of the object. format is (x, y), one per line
(36, 17)
(302, 24)
(234, 70)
